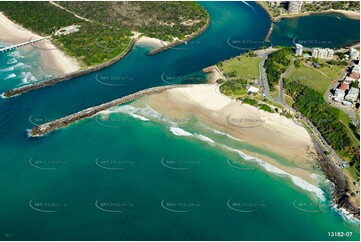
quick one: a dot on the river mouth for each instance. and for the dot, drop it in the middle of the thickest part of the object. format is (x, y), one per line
(125, 178)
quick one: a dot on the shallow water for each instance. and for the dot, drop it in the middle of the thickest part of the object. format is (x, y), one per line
(124, 178)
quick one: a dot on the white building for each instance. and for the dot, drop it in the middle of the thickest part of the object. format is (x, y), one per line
(299, 49)
(356, 69)
(294, 7)
(322, 53)
(354, 54)
(68, 30)
(252, 89)
(352, 94)
(339, 95)
(349, 80)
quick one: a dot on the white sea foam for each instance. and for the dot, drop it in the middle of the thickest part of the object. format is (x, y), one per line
(204, 138)
(27, 77)
(272, 169)
(11, 68)
(19, 65)
(221, 133)
(139, 117)
(12, 61)
(12, 75)
(15, 54)
(179, 132)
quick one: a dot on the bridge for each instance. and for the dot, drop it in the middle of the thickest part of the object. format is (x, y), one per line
(12, 47)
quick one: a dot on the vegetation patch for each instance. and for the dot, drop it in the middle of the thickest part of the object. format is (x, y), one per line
(276, 64)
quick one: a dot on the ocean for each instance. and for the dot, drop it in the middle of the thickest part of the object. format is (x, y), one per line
(133, 174)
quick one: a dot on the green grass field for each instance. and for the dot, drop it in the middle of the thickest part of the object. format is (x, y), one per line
(309, 77)
(244, 67)
(332, 71)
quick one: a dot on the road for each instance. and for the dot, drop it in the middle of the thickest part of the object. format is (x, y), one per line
(264, 83)
(322, 142)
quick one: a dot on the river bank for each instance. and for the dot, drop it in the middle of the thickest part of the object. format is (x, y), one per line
(347, 14)
(52, 59)
(168, 45)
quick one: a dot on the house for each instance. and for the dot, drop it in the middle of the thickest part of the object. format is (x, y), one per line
(339, 95)
(294, 7)
(68, 30)
(352, 94)
(299, 49)
(322, 53)
(354, 75)
(354, 54)
(356, 69)
(349, 80)
(252, 89)
(344, 86)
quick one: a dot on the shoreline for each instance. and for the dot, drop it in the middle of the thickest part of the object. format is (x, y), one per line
(346, 13)
(52, 59)
(289, 139)
(68, 68)
(192, 36)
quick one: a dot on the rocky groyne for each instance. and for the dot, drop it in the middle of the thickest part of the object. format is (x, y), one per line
(31, 87)
(192, 36)
(46, 128)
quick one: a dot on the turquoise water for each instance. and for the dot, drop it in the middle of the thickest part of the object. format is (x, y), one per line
(121, 178)
(20, 67)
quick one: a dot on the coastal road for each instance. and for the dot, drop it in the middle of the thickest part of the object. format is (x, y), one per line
(281, 95)
(319, 138)
(264, 53)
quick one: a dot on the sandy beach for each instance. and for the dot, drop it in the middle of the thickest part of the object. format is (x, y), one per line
(268, 131)
(348, 14)
(52, 59)
(151, 41)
